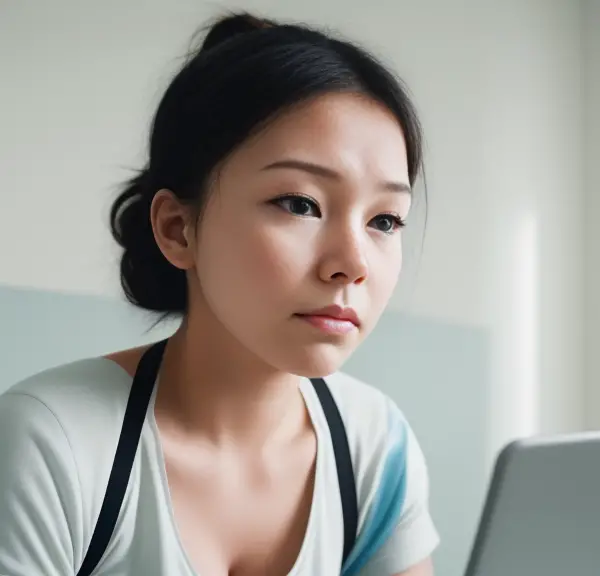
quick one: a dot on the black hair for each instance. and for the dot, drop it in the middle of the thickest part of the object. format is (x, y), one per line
(247, 71)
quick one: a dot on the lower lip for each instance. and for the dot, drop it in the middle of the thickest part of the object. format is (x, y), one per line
(329, 324)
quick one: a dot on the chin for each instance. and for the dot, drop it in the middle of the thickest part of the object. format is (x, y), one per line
(315, 361)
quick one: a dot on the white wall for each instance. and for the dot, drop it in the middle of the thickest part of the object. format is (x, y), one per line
(591, 41)
(531, 162)
(499, 85)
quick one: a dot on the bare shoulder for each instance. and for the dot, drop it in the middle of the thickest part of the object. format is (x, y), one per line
(127, 359)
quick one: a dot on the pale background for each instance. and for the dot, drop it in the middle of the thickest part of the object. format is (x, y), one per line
(493, 332)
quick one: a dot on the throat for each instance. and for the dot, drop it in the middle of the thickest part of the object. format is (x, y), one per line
(227, 402)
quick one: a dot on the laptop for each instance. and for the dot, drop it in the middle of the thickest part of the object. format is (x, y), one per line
(542, 513)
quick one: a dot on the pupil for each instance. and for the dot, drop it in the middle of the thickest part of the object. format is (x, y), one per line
(301, 206)
(385, 224)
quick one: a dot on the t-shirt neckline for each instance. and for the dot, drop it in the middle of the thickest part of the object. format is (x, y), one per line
(312, 406)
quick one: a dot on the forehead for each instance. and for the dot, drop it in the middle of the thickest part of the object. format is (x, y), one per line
(348, 132)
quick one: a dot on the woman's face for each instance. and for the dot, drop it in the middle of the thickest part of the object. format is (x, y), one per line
(305, 216)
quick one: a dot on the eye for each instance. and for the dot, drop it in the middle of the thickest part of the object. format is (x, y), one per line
(387, 223)
(298, 205)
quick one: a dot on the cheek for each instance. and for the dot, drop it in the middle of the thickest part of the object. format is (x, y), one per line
(253, 261)
(385, 269)
(270, 258)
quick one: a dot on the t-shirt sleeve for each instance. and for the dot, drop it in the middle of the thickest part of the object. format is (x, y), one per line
(40, 509)
(397, 532)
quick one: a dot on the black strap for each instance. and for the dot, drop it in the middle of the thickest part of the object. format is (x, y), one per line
(135, 415)
(343, 462)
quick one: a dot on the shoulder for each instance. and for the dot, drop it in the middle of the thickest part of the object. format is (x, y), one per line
(71, 413)
(76, 394)
(86, 395)
(392, 481)
(78, 376)
(56, 429)
(374, 424)
(378, 432)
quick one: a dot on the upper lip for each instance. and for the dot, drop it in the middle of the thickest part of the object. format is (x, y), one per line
(335, 311)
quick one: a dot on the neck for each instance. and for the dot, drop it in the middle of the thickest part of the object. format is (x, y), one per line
(211, 385)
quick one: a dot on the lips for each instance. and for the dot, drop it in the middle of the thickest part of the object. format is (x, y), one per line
(334, 312)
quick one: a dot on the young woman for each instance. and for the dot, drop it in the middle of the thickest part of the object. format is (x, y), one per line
(268, 216)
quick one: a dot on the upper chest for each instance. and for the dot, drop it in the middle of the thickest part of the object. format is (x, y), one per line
(241, 514)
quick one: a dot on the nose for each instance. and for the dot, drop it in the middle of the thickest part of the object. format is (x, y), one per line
(345, 261)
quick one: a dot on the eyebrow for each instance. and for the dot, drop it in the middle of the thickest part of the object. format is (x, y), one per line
(329, 173)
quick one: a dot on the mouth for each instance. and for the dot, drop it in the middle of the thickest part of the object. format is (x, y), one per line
(332, 319)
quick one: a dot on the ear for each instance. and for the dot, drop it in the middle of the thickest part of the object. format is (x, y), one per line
(173, 229)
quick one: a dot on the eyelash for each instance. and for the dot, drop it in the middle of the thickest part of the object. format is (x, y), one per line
(396, 219)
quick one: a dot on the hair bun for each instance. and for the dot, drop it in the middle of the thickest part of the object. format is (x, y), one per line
(231, 26)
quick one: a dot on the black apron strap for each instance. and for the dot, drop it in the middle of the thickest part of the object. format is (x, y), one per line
(135, 415)
(343, 462)
(133, 422)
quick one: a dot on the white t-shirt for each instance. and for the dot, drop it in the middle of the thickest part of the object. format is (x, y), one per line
(58, 434)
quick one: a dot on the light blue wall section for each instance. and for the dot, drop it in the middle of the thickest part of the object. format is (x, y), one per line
(41, 329)
(438, 374)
